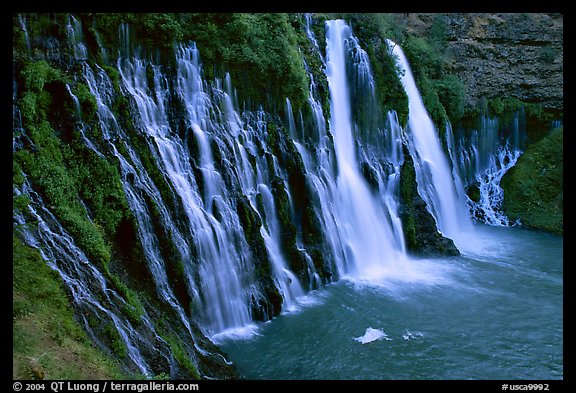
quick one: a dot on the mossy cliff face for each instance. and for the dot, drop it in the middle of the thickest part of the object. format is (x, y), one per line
(533, 188)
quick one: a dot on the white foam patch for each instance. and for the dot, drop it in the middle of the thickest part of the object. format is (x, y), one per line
(372, 335)
(311, 299)
(236, 334)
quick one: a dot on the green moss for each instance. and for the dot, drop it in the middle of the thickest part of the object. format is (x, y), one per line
(99, 185)
(182, 356)
(87, 101)
(504, 107)
(258, 50)
(371, 30)
(60, 192)
(451, 95)
(533, 188)
(117, 346)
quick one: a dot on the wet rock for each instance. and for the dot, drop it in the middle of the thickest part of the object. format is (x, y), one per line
(420, 231)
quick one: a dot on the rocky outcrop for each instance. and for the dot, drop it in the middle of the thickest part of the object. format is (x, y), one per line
(419, 226)
(516, 55)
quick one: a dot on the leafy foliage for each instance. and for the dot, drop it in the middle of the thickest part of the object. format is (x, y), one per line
(258, 50)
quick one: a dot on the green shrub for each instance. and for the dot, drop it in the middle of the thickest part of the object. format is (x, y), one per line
(258, 50)
(451, 95)
(37, 74)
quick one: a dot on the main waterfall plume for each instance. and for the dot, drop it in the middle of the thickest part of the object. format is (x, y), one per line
(369, 239)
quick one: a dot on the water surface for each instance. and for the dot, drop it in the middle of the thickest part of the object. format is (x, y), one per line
(495, 312)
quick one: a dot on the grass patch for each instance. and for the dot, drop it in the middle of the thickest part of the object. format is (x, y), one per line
(47, 341)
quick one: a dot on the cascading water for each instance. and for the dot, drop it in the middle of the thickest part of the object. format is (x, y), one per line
(137, 186)
(75, 39)
(436, 183)
(25, 31)
(89, 289)
(435, 321)
(483, 158)
(223, 203)
(389, 175)
(368, 237)
(225, 289)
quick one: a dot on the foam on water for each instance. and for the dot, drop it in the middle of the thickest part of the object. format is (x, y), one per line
(372, 335)
(242, 333)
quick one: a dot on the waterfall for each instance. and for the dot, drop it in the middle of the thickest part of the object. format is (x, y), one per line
(366, 233)
(312, 37)
(75, 39)
(482, 158)
(389, 176)
(436, 183)
(138, 187)
(286, 281)
(223, 254)
(89, 289)
(25, 31)
(225, 262)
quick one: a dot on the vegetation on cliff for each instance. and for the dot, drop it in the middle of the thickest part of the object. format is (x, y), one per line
(46, 338)
(533, 188)
(441, 90)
